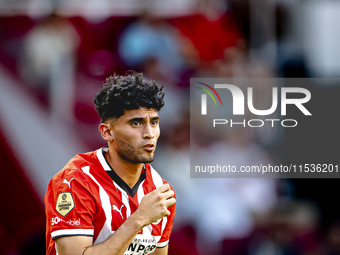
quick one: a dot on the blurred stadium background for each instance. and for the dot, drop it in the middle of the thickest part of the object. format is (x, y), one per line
(55, 54)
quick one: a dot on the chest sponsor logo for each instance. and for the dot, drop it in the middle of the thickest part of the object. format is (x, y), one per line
(65, 203)
(141, 246)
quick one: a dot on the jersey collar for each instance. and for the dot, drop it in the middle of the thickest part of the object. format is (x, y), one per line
(131, 191)
(102, 159)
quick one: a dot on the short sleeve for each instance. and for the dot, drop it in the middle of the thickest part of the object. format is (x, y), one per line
(164, 241)
(70, 206)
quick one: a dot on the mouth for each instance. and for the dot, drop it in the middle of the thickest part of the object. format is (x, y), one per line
(149, 147)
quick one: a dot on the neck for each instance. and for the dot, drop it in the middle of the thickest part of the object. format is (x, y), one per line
(129, 172)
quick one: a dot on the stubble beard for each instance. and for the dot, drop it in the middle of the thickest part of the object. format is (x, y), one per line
(129, 153)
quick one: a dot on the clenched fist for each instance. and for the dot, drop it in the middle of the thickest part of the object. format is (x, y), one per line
(155, 205)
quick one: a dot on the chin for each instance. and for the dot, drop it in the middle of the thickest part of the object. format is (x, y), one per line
(140, 158)
(148, 159)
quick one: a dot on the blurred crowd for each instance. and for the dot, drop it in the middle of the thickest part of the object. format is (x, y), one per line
(60, 61)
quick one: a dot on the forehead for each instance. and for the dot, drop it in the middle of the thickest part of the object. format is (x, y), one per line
(139, 113)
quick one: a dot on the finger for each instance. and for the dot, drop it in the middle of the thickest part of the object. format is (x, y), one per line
(170, 202)
(167, 194)
(167, 213)
(164, 188)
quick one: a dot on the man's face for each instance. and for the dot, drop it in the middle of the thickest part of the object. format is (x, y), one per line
(136, 134)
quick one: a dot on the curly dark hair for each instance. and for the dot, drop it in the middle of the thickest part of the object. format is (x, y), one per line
(120, 93)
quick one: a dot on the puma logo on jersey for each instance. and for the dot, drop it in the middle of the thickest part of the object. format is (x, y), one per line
(115, 208)
(68, 182)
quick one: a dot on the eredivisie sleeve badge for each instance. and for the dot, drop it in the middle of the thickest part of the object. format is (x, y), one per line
(65, 203)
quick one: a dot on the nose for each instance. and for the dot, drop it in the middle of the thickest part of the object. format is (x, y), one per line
(148, 132)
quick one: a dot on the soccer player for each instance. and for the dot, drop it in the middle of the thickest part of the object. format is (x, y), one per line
(111, 201)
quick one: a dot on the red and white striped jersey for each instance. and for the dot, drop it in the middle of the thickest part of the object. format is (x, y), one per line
(88, 198)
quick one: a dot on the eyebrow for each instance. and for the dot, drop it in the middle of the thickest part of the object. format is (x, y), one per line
(141, 119)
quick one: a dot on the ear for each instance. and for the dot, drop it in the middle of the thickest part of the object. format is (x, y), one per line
(106, 132)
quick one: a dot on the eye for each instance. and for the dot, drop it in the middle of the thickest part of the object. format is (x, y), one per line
(154, 122)
(135, 123)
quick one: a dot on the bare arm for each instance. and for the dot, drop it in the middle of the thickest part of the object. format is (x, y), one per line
(153, 207)
(161, 251)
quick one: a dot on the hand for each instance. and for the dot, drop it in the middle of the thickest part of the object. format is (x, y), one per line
(155, 205)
